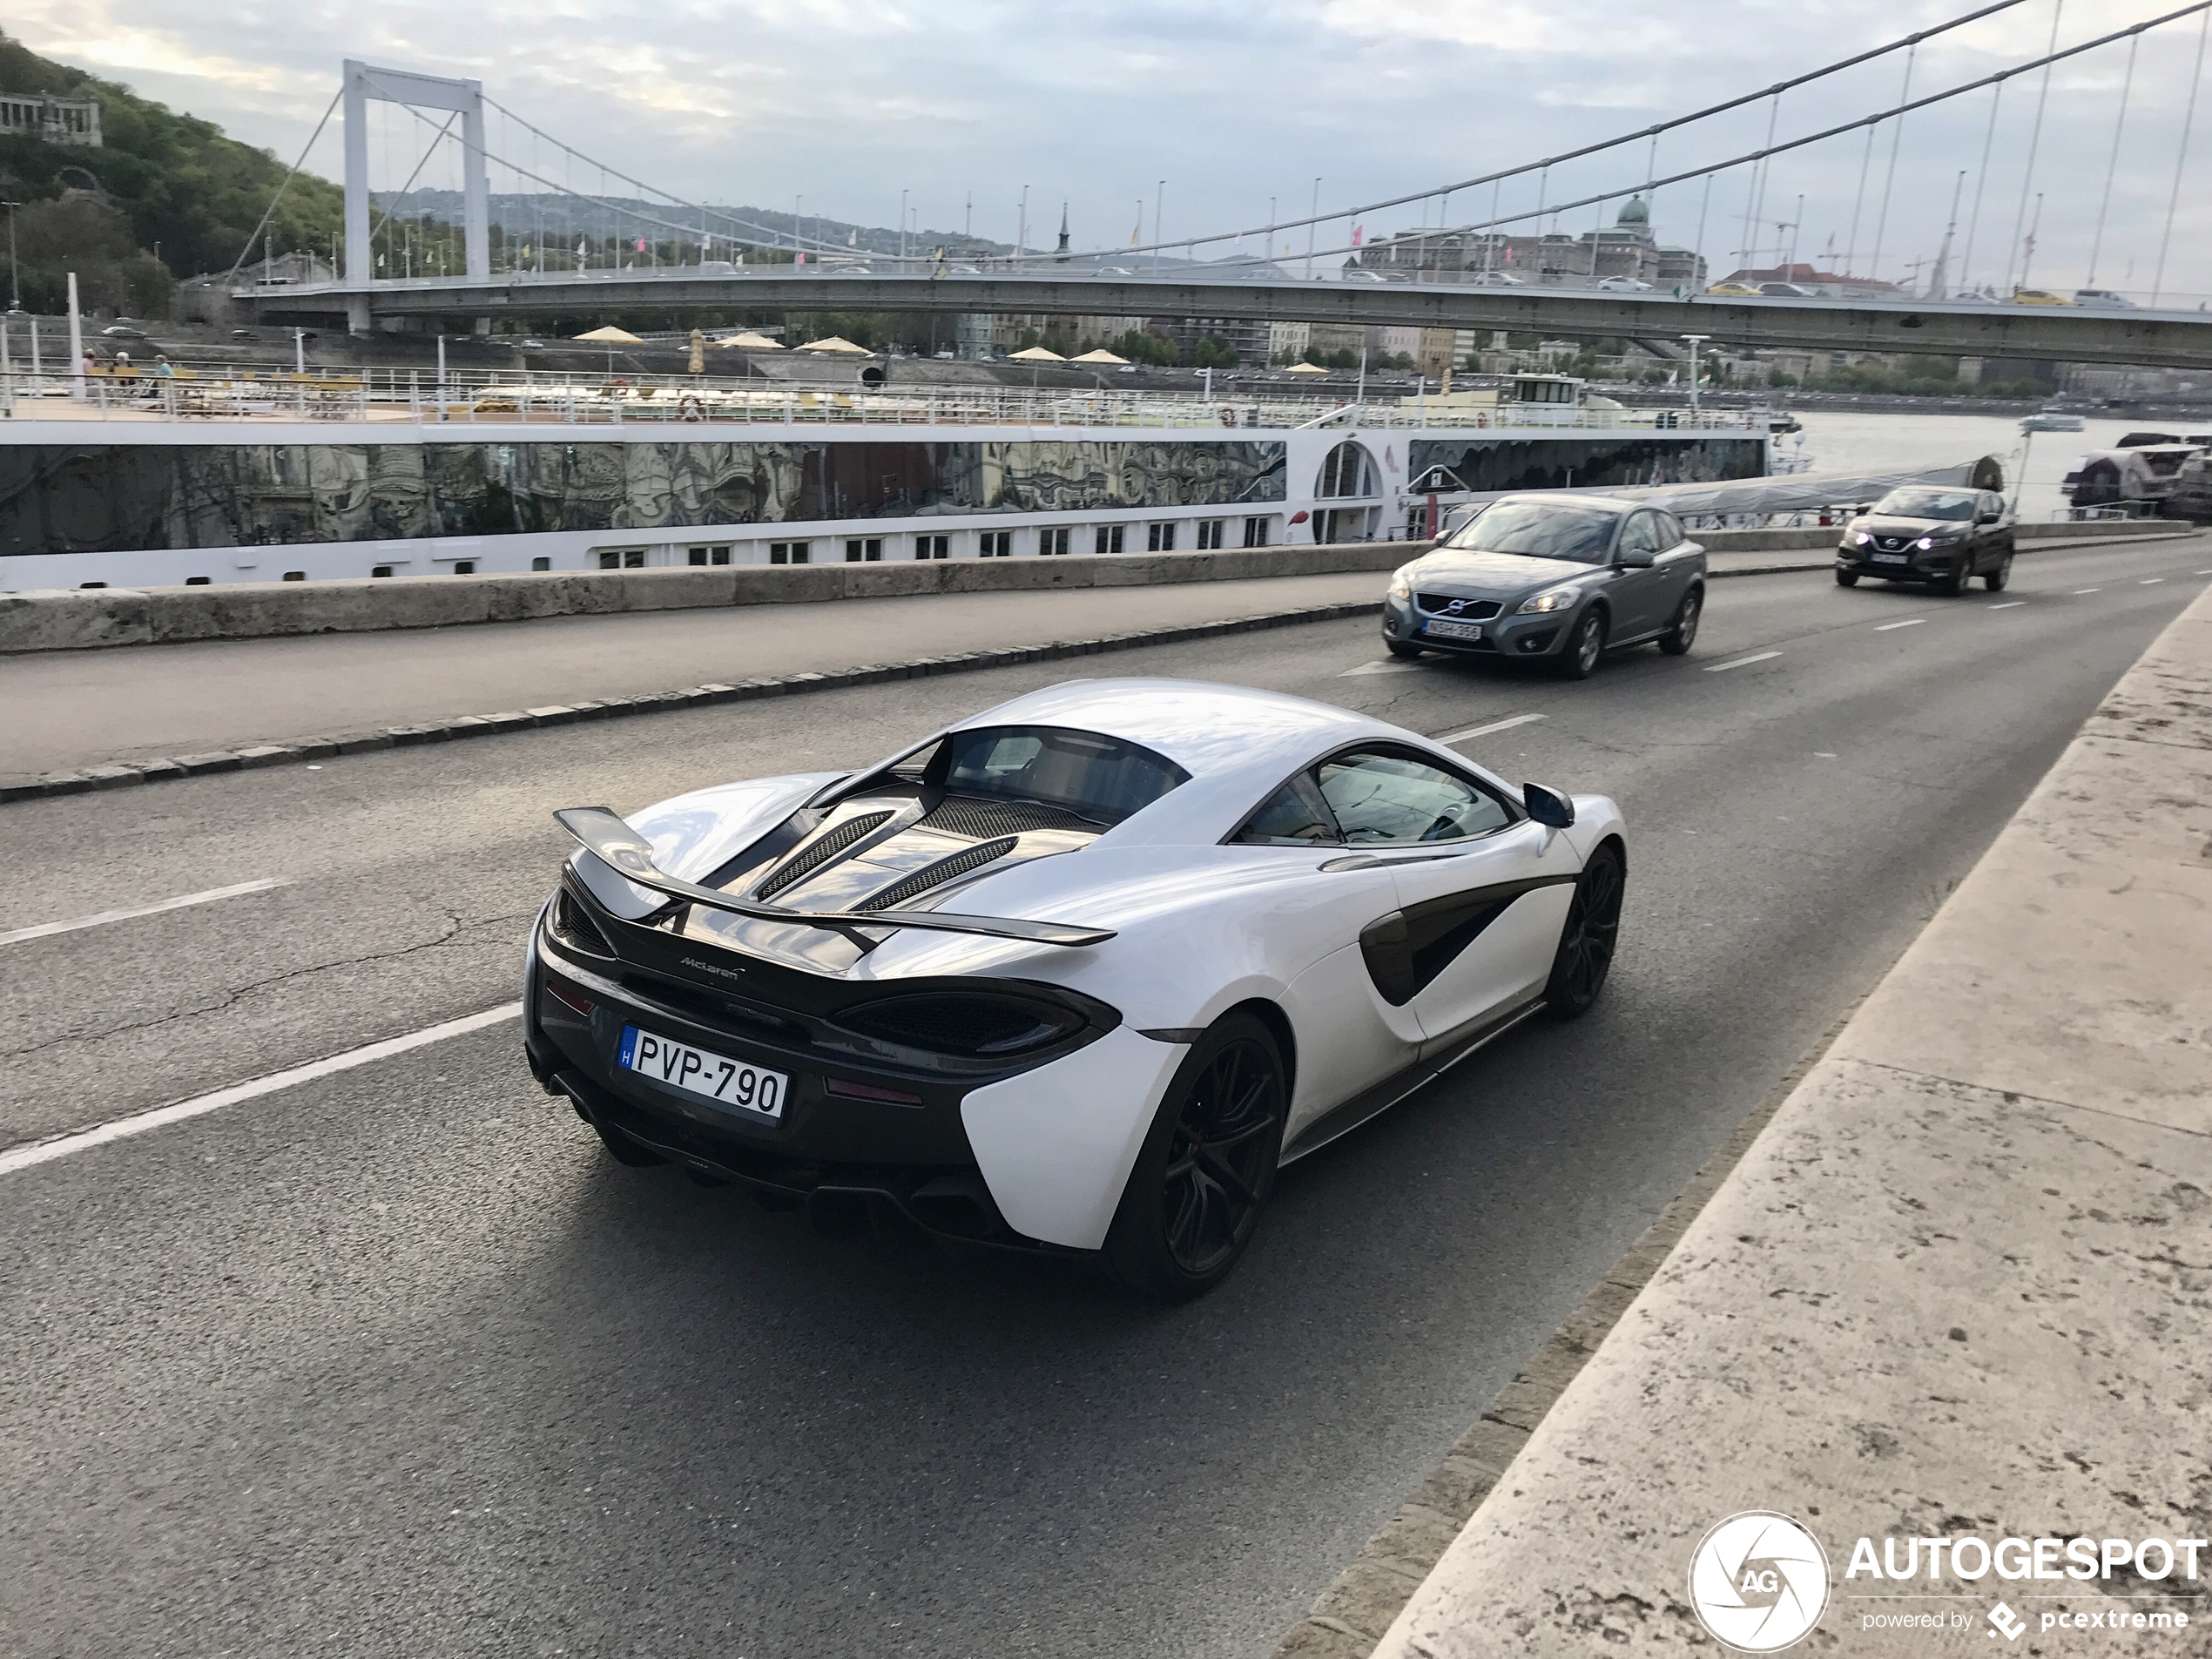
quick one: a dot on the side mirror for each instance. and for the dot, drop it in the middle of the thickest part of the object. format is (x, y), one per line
(1636, 558)
(1988, 518)
(1546, 808)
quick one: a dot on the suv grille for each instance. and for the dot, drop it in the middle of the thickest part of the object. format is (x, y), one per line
(1471, 609)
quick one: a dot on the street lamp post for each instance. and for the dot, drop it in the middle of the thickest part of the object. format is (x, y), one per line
(1695, 340)
(15, 272)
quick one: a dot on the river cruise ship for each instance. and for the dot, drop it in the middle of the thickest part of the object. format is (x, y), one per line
(137, 480)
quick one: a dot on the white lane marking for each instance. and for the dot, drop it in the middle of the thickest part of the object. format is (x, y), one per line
(2204, 573)
(2078, 592)
(1381, 668)
(1824, 754)
(1485, 731)
(23, 1157)
(1757, 656)
(2008, 604)
(46, 928)
(1910, 622)
(2150, 581)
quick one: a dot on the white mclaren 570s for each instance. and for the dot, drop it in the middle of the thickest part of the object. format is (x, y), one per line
(1078, 974)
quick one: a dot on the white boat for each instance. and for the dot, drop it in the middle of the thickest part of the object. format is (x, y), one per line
(2051, 421)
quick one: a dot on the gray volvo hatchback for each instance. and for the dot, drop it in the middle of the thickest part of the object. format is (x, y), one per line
(1553, 578)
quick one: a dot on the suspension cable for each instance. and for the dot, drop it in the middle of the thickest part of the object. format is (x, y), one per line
(2112, 167)
(2193, 9)
(290, 174)
(1981, 178)
(2180, 156)
(2035, 138)
(1889, 182)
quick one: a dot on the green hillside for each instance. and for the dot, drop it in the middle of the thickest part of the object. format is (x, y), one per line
(159, 180)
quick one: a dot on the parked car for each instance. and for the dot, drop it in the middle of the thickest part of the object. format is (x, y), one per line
(1921, 533)
(1624, 285)
(1076, 974)
(1551, 578)
(2038, 297)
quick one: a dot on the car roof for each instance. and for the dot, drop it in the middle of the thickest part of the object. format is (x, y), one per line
(1561, 498)
(1205, 728)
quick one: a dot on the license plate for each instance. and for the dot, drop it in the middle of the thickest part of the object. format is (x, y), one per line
(711, 1076)
(1892, 558)
(1444, 630)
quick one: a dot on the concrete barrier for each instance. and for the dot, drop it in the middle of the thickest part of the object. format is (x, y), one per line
(1954, 1289)
(1829, 535)
(82, 619)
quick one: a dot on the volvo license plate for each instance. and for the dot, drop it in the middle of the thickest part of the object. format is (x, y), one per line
(711, 1076)
(1443, 628)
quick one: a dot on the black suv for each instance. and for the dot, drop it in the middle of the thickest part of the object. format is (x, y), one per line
(1922, 533)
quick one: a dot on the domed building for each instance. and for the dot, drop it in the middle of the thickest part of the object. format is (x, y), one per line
(1626, 248)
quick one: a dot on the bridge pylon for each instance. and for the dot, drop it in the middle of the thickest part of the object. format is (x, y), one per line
(366, 81)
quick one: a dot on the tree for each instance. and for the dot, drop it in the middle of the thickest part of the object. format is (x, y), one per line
(84, 234)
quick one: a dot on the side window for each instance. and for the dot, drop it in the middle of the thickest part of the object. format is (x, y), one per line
(1294, 815)
(1641, 534)
(1384, 798)
(1671, 533)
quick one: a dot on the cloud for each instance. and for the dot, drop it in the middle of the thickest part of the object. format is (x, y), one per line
(1235, 102)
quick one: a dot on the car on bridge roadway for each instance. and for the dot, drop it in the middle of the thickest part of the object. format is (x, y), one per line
(1495, 280)
(2103, 299)
(1075, 976)
(1735, 291)
(1550, 578)
(1624, 285)
(1786, 291)
(1922, 533)
(2038, 297)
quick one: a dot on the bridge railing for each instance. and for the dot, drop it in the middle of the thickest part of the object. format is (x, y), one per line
(215, 392)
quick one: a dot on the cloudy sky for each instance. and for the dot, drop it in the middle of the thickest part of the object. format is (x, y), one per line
(847, 102)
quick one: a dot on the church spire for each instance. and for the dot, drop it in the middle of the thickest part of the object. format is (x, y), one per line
(1062, 250)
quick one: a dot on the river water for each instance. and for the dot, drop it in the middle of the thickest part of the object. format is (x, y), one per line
(1855, 441)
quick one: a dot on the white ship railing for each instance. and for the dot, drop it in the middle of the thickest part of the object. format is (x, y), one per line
(382, 395)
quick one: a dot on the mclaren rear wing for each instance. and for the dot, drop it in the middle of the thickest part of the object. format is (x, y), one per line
(631, 857)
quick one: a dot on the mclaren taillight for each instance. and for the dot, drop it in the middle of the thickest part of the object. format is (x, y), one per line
(975, 1025)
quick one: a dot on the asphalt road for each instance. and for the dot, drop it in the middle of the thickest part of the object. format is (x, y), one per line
(397, 1361)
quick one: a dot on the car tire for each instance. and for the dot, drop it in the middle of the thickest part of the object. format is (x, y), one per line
(1587, 939)
(1206, 1167)
(1956, 585)
(1682, 633)
(1578, 658)
(1846, 578)
(1996, 579)
(1401, 650)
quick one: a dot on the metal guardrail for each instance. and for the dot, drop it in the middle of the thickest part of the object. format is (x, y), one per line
(388, 395)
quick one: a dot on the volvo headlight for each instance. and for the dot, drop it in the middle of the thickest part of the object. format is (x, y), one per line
(1401, 585)
(1551, 599)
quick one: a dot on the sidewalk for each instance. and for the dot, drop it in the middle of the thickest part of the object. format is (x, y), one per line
(1955, 1288)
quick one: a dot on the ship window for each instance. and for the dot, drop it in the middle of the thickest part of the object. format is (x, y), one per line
(1109, 539)
(996, 544)
(864, 549)
(1350, 470)
(1256, 532)
(789, 552)
(1159, 539)
(1052, 542)
(933, 547)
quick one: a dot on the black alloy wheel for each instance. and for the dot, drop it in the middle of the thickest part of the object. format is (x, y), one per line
(1996, 579)
(1846, 578)
(1586, 943)
(1206, 1167)
(1397, 648)
(1682, 633)
(1584, 646)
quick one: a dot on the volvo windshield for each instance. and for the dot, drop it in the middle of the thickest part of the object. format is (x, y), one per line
(1540, 531)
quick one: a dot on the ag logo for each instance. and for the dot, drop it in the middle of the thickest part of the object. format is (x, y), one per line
(1759, 1581)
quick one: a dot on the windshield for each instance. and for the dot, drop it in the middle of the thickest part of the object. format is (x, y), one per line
(1102, 779)
(1927, 503)
(1540, 531)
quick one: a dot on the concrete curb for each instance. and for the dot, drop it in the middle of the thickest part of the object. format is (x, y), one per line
(101, 618)
(1953, 1288)
(117, 774)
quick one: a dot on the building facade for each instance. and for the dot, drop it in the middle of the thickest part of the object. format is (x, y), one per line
(1626, 248)
(53, 120)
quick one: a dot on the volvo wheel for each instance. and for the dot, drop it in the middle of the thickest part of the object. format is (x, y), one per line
(1207, 1166)
(1584, 646)
(1682, 633)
